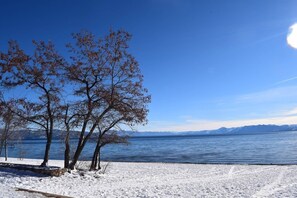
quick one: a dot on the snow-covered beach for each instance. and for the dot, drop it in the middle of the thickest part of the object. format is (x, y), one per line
(156, 180)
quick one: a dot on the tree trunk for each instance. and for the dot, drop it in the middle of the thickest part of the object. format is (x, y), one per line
(81, 146)
(83, 140)
(6, 151)
(94, 162)
(67, 151)
(76, 155)
(49, 130)
(46, 153)
(1, 145)
(47, 147)
(95, 157)
(99, 158)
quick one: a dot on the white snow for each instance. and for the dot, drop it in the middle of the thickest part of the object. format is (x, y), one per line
(157, 180)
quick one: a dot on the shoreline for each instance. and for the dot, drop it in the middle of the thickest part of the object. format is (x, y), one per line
(206, 163)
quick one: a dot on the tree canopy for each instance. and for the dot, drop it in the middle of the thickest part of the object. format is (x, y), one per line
(96, 88)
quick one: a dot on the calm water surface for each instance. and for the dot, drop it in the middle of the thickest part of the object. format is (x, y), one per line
(269, 148)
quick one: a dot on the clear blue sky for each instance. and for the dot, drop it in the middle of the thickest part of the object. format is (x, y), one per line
(207, 63)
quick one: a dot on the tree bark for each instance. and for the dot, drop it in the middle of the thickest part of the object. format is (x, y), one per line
(67, 151)
(5, 147)
(1, 144)
(76, 155)
(48, 147)
(80, 147)
(99, 158)
(95, 157)
(46, 153)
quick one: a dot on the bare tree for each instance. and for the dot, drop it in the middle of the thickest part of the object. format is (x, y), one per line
(102, 78)
(107, 81)
(106, 136)
(11, 124)
(38, 72)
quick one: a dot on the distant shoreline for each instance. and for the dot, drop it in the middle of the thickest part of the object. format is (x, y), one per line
(175, 134)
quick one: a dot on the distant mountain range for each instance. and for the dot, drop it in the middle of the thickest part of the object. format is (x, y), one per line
(253, 129)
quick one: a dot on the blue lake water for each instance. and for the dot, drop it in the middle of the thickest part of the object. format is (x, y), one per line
(268, 148)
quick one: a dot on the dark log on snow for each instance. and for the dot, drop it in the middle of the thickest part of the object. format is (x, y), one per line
(49, 170)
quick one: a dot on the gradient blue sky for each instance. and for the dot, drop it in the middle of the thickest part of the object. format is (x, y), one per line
(207, 63)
